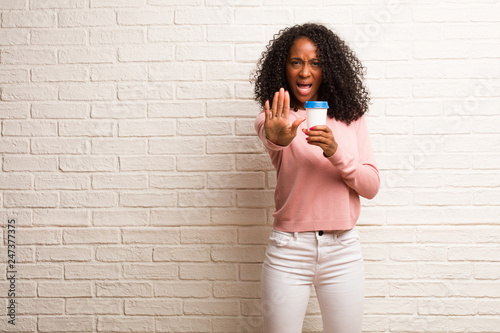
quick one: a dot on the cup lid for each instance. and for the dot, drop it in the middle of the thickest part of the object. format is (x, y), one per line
(316, 105)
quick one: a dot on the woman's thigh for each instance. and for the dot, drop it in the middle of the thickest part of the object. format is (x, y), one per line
(340, 285)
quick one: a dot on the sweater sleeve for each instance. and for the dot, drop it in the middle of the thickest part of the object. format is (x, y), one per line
(259, 128)
(360, 174)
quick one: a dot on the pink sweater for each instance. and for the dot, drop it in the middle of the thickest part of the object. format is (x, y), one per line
(318, 193)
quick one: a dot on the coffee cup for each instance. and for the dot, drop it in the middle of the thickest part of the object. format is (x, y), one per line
(316, 113)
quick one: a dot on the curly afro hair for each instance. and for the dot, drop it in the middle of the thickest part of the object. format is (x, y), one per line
(342, 72)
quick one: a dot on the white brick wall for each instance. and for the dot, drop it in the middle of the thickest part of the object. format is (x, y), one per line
(143, 198)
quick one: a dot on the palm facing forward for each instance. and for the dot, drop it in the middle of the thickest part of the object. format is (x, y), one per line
(277, 124)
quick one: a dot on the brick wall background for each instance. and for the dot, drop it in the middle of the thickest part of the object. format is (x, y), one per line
(143, 198)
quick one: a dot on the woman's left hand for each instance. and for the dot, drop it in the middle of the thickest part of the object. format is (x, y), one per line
(322, 136)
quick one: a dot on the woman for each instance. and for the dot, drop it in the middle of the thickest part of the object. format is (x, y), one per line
(321, 172)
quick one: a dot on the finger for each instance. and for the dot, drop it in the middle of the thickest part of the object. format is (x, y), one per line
(286, 111)
(296, 124)
(275, 105)
(266, 110)
(281, 101)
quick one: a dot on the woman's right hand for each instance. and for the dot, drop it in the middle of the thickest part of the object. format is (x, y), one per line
(277, 124)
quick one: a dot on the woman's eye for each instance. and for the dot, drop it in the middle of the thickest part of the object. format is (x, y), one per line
(315, 64)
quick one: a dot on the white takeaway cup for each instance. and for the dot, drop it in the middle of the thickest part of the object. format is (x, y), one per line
(316, 113)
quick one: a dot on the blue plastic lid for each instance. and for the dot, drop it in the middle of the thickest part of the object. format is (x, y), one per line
(316, 105)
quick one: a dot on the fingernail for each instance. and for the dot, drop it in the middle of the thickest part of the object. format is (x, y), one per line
(312, 128)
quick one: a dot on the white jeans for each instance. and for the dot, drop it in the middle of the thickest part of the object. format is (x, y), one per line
(332, 262)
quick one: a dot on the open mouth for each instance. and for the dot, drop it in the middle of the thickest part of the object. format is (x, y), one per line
(304, 89)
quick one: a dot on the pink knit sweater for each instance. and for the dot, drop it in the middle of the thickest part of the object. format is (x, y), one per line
(318, 193)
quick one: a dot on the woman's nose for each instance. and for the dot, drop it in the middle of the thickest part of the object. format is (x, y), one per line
(305, 72)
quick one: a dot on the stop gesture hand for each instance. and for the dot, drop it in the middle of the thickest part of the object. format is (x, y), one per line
(277, 123)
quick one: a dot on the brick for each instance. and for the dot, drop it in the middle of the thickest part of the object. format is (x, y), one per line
(231, 109)
(389, 306)
(473, 253)
(59, 146)
(245, 180)
(120, 110)
(143, 53)
(140, 17)
(204, 52)
(61, 218)
(206, 199)
(418, 324)
(239, 33)
(59, 110)
(88, 164)
(14, 110)
(28, 19)
(418, 289)
(14, 76)
(35, 236)
(62, 182)
(123, 254)
(488, 307)
(148, 199)
(237, 216)
(182, 253)
(121, 324)
(148, 163)
(444, 270)
(70, 199)
(155, 271)
(263, 16)
(151, 235)
(12, 4)
(124, 289)
(86, 18)
(211, 307)
(91, 55)
(237, 289)
(29, 163)
(183, 324)
(122, 146)
(43, 307)
(390, 270)
(59, 74)
(210, 235)
(228, 145)
(176, 181)
(120, 218)
(240, 254)
(119, 73)
(174, 71)
(250, 272)
(29, 128)
(65, 324)
(128, 128)
(16, 182)
(184, 289)
(333, 15)
(28, 56)
(254, 163)
(254, 235)
(63, 253)
(49, 4)
(114, 36)
(176, 34)
(203, 16)
(254, 198)
(58, 37)
(180, 216)
(29, 93)
(245, 127)
(158, 307)
(92, 236)
(93, 306)
(418, 253)
(33, 200)
(119, 181)
(206, 163)
(85, 92)
(145, 92)
(41, 271)
(192, 127)
(64, 289)
(202, 271)
(115, 3)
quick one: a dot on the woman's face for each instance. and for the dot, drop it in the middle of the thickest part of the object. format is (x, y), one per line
(303, 71)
